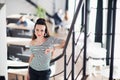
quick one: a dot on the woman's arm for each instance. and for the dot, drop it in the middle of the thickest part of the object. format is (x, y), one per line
(32, 55)
(30, 59)
(59, 46)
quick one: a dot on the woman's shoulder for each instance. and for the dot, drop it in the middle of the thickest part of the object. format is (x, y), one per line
(51, 38)
(32, 42)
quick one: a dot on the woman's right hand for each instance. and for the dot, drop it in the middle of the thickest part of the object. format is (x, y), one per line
(28, 76)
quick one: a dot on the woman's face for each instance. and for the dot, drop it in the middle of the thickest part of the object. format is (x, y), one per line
(40, 31)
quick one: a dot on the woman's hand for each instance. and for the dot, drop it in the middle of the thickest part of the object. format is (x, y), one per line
(49, 50)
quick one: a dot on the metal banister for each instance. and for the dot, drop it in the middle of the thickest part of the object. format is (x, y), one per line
(70, 32)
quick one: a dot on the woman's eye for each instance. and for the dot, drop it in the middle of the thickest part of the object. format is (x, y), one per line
(37, 30)
(42, 30)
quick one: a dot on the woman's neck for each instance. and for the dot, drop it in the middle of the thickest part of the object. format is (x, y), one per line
(40, 40)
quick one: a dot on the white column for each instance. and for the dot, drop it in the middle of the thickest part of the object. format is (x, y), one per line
(3, 45)
(2, 1)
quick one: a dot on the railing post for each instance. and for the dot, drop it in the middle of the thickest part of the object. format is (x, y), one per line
(73, 54)
(113, 38)
(108, 40)
(86, 8)
(65, 70)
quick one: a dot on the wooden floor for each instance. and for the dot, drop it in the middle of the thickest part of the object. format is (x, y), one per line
(60, 64)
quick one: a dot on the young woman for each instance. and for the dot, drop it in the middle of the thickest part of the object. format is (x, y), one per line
(41, 47)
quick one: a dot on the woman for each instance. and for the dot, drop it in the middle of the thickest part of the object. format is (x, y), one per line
(42, 45)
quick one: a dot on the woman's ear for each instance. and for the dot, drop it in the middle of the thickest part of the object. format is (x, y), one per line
(45, 34)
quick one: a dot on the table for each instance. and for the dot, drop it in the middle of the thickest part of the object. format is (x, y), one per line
(17, 68)
(14, 16)
(17, 64)
(18, 41)
(17, 16)
(15, 26)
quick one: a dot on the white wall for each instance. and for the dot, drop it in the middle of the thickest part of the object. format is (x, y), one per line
(46, 4)
(2, 1)
(19, 6)
(51, 6)
(3, 45)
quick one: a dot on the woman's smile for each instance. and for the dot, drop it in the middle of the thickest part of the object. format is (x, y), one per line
(39, 35)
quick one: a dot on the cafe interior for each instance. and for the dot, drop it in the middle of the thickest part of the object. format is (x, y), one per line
(90, 29)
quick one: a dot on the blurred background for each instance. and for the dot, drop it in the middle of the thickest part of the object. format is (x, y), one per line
(90, 28)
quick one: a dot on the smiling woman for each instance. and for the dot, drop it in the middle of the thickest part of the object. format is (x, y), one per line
(42, 46)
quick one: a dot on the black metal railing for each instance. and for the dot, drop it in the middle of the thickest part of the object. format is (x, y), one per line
(66, 77)
(84, 47)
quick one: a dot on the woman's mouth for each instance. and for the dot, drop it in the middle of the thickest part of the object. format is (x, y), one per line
(39, 35)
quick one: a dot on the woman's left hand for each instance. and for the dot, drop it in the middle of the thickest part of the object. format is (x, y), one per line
(49, 50)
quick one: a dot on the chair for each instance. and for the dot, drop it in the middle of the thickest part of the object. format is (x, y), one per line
(18, 72)
(96, 58)
(17, 33)
(12, 20)
(8, 31)
(13, 50)
(23, 57)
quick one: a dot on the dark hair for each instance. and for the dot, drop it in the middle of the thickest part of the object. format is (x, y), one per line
(41, 21)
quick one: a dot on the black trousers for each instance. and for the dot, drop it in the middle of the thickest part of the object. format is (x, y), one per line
(39, 75)
(2, 78)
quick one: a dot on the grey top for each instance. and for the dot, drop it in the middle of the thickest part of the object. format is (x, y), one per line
(41, 61)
